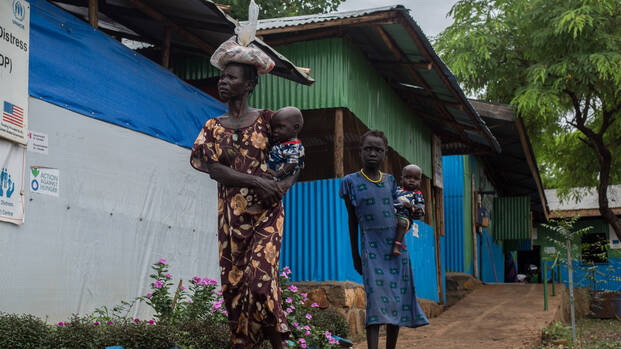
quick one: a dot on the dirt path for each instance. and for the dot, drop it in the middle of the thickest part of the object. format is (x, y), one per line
(493, 316)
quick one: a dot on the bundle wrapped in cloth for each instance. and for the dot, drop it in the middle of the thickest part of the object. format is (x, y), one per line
(240, 49)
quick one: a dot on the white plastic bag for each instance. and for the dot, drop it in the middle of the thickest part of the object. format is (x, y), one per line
(246, 33)
(239, 48)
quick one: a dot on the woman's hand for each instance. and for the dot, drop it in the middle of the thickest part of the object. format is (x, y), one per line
(268, 190)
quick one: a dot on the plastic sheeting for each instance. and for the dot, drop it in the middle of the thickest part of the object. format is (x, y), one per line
(81, 69)
(126, 200)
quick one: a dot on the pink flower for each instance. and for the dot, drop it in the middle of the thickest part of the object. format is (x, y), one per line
(333, 341)
(296, 325)
(151, 322)
(196, 279)
(225, 312)
(183, 288)
(284, 275)
(304, 295)
(286, 270)
(158, 284)
(148, 295)
(162, 261)
(217, 305)
(60, 323)
(293, 289)
(136, 320)
(307, 327)
(306, 333)
(328, 334)
(289, 300)
(211, 282)
(168, 276)
(220, 293)
(110, 323)
(303, 346)
(289, 310)
(96, 323)
(189, 301)
(301, 340)
(314, 305)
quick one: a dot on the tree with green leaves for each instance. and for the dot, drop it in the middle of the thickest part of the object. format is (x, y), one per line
(559, 64)
(281, 8)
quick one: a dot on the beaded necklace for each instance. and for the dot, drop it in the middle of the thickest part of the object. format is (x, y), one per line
(369, 179)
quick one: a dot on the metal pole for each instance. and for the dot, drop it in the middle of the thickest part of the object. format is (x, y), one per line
(570, 277)
(545, 286)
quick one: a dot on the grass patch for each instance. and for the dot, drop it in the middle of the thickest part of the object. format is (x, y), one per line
(590, 333)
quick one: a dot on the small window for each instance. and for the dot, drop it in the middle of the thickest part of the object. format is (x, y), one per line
(594, 248)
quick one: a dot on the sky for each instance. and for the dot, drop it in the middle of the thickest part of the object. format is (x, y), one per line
(430, 15)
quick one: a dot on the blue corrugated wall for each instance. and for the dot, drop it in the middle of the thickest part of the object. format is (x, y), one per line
(491, 257)
(316, 243)
(608, 275)
(453, 173)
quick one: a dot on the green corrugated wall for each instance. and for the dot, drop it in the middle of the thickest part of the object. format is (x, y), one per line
(511, 218)
(344, 78)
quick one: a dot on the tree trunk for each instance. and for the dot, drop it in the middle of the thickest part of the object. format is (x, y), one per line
(604, 158)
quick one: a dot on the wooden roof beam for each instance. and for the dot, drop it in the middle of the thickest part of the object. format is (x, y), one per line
(139, 4)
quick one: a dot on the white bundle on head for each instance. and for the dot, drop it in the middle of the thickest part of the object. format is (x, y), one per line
(240, 49)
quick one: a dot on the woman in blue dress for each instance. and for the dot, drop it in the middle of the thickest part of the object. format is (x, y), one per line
(369, 195)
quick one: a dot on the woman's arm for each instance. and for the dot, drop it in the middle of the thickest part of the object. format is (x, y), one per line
(268, 190)
(353, 235)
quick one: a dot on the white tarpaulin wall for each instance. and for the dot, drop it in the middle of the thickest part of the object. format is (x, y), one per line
(125, 200)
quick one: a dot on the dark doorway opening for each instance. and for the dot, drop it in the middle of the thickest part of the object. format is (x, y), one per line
(526, 258)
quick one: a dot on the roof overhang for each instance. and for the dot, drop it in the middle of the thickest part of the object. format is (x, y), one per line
(397, 48)
(514, 172)
(196, 26)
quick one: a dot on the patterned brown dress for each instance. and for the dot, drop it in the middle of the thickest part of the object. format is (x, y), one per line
(249, 245)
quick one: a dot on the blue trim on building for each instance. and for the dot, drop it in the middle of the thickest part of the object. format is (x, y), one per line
(491, 257)
(453, 173)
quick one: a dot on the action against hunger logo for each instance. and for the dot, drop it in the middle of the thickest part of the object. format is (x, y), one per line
(7, 186)
(19, 11)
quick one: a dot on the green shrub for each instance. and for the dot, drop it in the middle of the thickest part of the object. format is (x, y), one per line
(332, 321)
(556, 331)
(22, 331)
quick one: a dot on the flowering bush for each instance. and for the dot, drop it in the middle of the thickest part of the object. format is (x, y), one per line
(199, 301)
(185, 317)
(299, 316)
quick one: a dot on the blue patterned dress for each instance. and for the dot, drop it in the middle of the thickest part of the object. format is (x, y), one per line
(388, 279)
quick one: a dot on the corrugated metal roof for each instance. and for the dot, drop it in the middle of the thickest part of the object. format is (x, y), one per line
(205, 25)
(588, 200)
(397, 48)
(323, 17)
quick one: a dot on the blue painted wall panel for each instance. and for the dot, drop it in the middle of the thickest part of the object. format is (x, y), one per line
(492, 267)
(608, 275)
(316, 243)
(453, 168)
(423, 259)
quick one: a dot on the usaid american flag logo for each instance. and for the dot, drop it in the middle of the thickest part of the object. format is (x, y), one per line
(13, 114)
